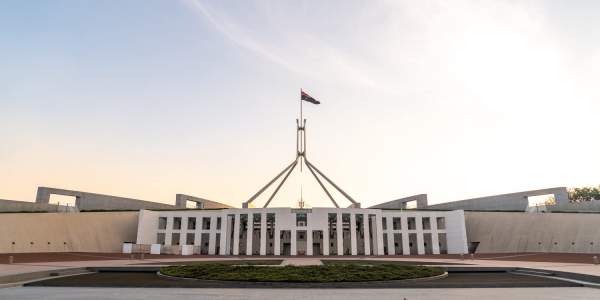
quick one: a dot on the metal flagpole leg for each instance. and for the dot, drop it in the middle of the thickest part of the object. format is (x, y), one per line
(245, 204)
(321, 184)
(281, 183)
(311, 166)
(304, 138)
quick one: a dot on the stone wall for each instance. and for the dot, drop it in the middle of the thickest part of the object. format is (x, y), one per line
(511, 232)
(504, 202)
(66, 232)
(23, 206)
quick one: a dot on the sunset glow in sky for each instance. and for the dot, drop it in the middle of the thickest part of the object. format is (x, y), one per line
(146, 99)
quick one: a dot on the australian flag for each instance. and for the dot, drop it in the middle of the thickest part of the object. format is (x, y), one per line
(306, 97)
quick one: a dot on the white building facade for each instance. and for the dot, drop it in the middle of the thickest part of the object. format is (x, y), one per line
(316, 231)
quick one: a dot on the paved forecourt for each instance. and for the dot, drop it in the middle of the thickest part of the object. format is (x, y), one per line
(56, 293)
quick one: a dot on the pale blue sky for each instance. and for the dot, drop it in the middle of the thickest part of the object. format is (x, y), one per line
(151, 98)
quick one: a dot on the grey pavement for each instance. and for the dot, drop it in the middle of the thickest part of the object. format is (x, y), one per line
(55, 293)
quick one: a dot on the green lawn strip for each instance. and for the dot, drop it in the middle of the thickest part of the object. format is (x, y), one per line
(326, 273)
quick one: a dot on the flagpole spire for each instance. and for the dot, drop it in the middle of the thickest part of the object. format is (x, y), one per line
(301, 159)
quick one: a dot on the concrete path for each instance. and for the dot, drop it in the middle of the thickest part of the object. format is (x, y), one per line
(20, 268)
(302, 262)
(56, 293)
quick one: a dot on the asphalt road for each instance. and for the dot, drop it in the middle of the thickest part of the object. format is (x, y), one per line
(454, 280)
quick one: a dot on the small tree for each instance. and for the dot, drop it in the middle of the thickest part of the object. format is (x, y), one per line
(550, 201)
(584, 194)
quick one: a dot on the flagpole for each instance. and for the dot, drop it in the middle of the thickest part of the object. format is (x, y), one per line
(300, 106)
(301, 136)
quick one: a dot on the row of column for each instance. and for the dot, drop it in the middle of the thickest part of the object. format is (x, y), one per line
(378, 250)
(419, 232)
(212, 233)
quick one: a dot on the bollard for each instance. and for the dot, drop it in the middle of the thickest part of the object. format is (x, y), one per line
(462, 256)
(131, 256)
(596, 260)
(472, 256)
(142, 256)
(11, 259)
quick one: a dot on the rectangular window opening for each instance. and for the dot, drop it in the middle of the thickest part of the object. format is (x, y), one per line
(177, 223)
(162, 223)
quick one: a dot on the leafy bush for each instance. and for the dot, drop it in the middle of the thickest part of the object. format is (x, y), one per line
(325, 273)
(584, 194)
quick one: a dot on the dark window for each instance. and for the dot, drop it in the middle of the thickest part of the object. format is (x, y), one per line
(162, 223)
(205, 223)
(177, 223)
(441, 223)
(426, 223)
(160, 238)
(191, 224)
(175, 239)
(189, 239)
(301, 219)
(412, 224)
(396, 223)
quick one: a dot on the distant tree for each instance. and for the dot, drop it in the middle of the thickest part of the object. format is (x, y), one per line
(550, 201)
(584, 194)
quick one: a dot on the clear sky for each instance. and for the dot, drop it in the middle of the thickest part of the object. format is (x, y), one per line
(147, 99)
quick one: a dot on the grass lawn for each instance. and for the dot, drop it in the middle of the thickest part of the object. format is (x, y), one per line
(326, 273)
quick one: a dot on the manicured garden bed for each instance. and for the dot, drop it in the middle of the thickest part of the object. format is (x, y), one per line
(325, 273)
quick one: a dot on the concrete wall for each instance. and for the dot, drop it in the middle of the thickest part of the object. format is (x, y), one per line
(533, 232)
(66, 232)
(23, 206)
(92, 201)
(505, 202)
(585, 206)
(182, 199)
(421, 200)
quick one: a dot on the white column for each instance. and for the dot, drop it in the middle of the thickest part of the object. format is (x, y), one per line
(225, 227)
(309, 241)
(169, 232)
(236, 235)
(325, 240)
(390, 235)
(263, 234)
(228, 230)
(435, 243)
(277, 237)
(183, 231)
(405, 240)
(379, 234)
(420, 247)
(434, 235)
(353, 243)
(367, 237)
(249, 233)
(340, 234)
(293, 251)
(198, 236)
(212, 236)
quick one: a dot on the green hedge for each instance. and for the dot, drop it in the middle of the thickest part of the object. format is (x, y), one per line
(325, 273)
